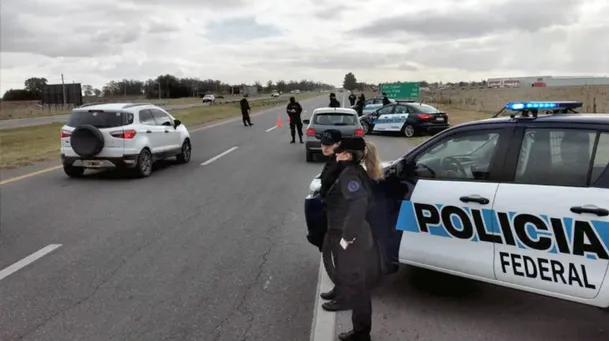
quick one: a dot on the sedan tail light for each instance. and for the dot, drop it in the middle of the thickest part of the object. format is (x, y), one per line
(310, 132)
(65, 133)
(426, 116)
(359, 132)
(124, 134)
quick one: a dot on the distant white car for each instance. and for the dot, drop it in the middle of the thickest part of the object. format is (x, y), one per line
(121, 135)
(274, 94)
(209, 98)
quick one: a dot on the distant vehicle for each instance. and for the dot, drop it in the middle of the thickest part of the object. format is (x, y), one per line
(296, 91)
(121, 136)
(517, 201)
(343, 119)
(405, 117)
(274, 94)
(209, 99)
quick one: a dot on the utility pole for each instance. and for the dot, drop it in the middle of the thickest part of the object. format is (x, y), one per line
(63, 88)
(159, 88)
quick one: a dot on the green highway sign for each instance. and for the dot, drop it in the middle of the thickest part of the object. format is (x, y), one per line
(401, 90)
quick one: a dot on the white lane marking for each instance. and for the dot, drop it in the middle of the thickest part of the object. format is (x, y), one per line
(218, 156)
(324, 322)
(27, 260)
(271, 128)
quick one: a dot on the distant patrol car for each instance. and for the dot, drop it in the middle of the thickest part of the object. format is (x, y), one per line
(519, 201)
(405, 117)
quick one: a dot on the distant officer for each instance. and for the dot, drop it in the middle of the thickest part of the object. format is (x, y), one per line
(358, 260)
(361, 103)
(385, 99)
(294, 109)
(352, 98)
(334, 103)
(245, 111)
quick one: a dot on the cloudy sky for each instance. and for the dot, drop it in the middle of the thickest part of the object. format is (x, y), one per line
(94, 41)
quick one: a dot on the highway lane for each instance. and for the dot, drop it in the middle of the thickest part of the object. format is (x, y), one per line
(33, 121)
(194, 252)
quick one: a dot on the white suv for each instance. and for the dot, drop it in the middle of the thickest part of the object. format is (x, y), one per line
(121, 135)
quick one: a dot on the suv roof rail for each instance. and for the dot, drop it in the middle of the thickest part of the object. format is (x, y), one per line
(532, 108)
(89, 104)
(131, 105)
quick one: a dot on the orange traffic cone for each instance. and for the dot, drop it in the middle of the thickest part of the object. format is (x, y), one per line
(279, 123)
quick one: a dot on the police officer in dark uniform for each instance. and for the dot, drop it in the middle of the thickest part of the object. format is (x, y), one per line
(352, 98)
(294, 109)
(361, 103)
(334, 103)
(357, 258)
(245, 111)
(385, 99)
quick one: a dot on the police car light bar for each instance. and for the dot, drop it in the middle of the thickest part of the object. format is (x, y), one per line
(518, 106)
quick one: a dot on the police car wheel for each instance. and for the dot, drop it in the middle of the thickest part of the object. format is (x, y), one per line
(408, 130)
(366, 127)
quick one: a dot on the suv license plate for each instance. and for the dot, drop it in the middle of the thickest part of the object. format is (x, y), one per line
(92, 163)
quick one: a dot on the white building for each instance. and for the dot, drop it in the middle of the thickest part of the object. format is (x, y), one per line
(541, 81)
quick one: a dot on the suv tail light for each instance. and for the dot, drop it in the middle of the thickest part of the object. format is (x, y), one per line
(310, 132)
(65, 133)
(125, 134)
(359, 132)
(426, 116)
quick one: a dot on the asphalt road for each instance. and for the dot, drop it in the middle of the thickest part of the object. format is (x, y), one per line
(27, 122)
(217, 252)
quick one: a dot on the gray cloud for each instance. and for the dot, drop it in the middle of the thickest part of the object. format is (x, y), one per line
(239, 29)
(466, 22)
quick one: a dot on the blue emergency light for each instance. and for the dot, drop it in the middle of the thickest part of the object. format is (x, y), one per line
(518, 106)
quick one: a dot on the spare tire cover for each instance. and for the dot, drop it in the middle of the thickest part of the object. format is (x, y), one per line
(87, 141)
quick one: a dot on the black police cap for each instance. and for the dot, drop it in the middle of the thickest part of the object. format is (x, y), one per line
(351, 144)
(330, 137)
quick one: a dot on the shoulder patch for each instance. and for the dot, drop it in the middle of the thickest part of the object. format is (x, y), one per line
(353, 186)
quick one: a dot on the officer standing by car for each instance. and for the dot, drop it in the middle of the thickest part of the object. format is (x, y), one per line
(361, 103)
(245, 111)
(358, 259)
(334, 103)
(294, 109)
(352, 98)
(385, 99)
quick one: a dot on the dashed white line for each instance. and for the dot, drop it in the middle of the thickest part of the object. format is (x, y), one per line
(271, 128)
(27, 260)
(218, 156)
(324, 322)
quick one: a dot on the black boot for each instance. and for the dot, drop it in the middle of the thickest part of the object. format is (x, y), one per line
(335, 305)
(330, 295)
(353, 336)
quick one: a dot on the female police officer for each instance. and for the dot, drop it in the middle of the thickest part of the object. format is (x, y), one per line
(357, 258)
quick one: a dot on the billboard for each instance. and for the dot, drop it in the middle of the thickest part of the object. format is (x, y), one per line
(53, 94)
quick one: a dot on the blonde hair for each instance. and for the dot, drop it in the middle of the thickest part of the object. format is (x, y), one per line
(374, 166)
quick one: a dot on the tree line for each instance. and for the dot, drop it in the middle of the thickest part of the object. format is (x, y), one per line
(163, 86)
(350, 83)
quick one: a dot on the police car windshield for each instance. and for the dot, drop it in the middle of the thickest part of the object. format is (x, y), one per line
(334, 119)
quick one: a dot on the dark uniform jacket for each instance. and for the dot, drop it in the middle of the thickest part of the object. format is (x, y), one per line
(334, 103)
(245, 106)
(294, 116)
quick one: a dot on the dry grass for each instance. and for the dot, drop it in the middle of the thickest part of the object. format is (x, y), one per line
(29, 109)
(27, 145)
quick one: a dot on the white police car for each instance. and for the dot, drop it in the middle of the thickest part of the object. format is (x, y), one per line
(520, 202)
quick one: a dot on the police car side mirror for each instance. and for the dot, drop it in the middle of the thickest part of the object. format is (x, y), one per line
(403, 169)
(306, 121)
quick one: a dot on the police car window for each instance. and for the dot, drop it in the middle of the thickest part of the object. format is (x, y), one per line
(557, 157)
(601, 157)
(464, 157)
(146, 117)
(424, 108)
(401, 109)
(386, 110)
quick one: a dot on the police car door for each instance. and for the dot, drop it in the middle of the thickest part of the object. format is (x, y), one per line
(553, 213)
(383, 119)
(446, 217)
(400, 115)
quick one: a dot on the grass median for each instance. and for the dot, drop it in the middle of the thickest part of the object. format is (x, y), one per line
(28, 145)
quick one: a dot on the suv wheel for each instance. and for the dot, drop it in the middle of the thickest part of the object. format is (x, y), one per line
(184, 155)
(144, 164)
(73, 172)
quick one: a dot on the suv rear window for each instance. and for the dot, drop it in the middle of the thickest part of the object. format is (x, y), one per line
(98, 119)
(424, 108)
(335, 119)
